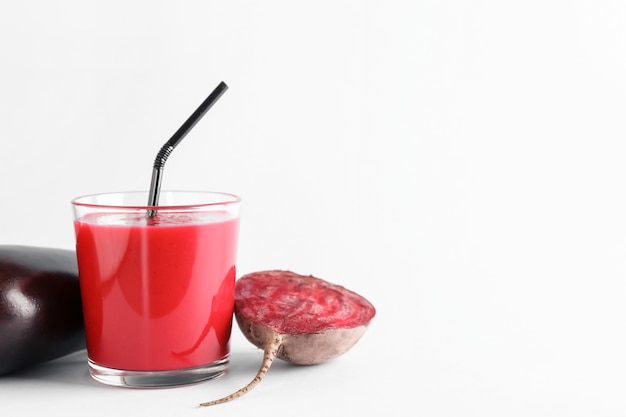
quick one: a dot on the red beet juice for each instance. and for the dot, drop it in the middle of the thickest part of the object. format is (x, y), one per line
(158, 293)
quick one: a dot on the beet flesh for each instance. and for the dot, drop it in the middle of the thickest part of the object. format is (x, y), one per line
(40, 306)
(301, 319)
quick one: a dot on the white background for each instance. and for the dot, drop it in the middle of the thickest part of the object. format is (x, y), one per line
(458, 163)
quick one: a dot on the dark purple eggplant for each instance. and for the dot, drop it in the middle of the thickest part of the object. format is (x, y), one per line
(40, 306)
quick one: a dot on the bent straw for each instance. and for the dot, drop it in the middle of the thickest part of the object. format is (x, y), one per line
(168, 147)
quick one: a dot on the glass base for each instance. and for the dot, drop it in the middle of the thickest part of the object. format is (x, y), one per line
(157, 379)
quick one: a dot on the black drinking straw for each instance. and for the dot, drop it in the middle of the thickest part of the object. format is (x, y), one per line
(166, 150)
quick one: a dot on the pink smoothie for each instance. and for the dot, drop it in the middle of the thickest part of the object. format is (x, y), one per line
(159, 296)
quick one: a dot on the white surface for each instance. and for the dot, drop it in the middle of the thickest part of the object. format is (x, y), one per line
(458, 163)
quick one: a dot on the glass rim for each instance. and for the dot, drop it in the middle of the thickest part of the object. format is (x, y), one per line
(228, 199)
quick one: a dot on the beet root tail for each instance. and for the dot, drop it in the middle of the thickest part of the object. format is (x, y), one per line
(269, 354)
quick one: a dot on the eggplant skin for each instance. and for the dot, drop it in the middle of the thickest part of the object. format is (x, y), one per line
(40, 306)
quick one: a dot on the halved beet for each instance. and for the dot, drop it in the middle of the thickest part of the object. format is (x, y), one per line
(301, 319)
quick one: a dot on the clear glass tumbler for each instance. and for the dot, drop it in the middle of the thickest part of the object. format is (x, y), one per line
(157, 285)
